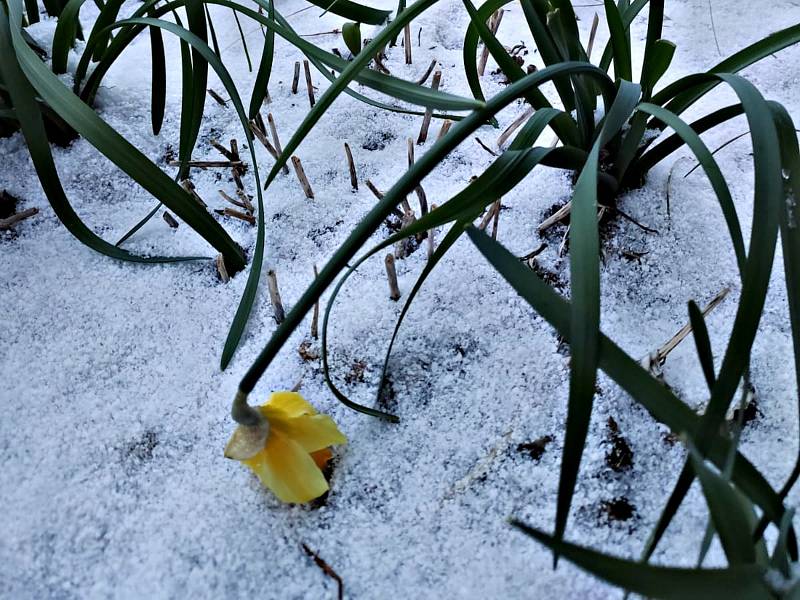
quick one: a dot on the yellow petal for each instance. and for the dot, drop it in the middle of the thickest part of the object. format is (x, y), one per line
(288, 470)
(321, 457)
(287, 404)
(312, 432)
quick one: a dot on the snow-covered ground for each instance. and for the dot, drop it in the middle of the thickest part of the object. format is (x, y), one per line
(115, 413)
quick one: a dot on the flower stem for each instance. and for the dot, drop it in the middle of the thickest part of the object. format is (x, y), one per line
(243, 413)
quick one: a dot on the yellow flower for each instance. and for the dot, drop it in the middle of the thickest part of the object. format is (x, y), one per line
(288, 447)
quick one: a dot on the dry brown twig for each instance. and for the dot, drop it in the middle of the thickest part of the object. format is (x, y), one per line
(208, 164)
(391, 275)
(189, 187)
(351, 165)
(494, 25)
(421, 196)
(514, 126)
(407, 42)
(275, 297)
(427, 73)
(274, 131)
(222, 271)
(301, 176)
(296, 77)
(446, 125)
(217, 98)
(309, 85)
(426, 119)
(170, 220)
(9, 222)
(655, 360)
(231, 200)
(326, 568)
(230, 212)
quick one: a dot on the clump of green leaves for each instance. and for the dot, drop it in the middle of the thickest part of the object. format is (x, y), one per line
(35, 101)
(609, 155)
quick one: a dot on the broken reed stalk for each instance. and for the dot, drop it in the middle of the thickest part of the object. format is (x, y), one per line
(391, 274)
(170, 220)
(230, 212)
(301, 176)
(189, 187)
(219, 100)
(484, 146)
(562, 247)
(488, 215)
(296, 78)
(236, 163)
(555, 217)
(494, 25)
(315, 315)
(274, 130)
(326, 568)
(371, 187)
(275, 297)
(378, 58)
(424, 78)
(262, 137)
(431, 234)
(426, 119)
(352, 167)
(592, 34)
(407, 42)
(9, 222)
(661, 354)
(208, 164)
(233, 201)
(379, 195)
(446, 125)
(423, 199)
(309, 85)
(222, 270)
(514, 126)
(222, 150)
(496, 219)
(245, 200)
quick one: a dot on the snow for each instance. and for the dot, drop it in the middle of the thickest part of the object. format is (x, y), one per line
(112, 479)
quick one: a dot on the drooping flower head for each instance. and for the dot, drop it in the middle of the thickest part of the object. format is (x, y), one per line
(287, 445)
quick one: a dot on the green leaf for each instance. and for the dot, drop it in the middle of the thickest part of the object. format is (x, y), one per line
(688, 135)
(584, 240)
(159, 85)
(703, 343)
(659, 59)
(354, 11)
(619, 41)
(658, 400)
(564, 127)
(260, 88)
(744, 582)
(658, 153)
(727, 513)
(32, 125)
(657, 52)
(351, 34)
(768, 199)
(547, 47)
(403, 186)
(84, 120)
(682, 97)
